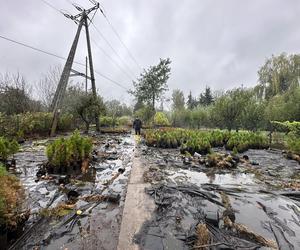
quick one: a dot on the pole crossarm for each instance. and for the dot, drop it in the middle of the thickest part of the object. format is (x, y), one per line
(76, 73)
(76, 18)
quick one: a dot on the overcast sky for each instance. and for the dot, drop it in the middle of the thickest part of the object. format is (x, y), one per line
(219, 43)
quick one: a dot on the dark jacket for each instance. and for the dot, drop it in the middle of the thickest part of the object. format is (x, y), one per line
(137, 124)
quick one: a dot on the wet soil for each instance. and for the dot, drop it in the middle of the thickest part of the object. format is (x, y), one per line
(188, 194)
(93, 219)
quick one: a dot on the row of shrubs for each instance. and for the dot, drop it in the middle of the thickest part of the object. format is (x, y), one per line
(28, 124)
(202, 141)
(108, 121)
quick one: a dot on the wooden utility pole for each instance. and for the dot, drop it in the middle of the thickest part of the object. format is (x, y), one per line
(80, 19)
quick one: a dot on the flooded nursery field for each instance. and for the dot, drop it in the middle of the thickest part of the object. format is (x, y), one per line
(149, 125)
(254, 205)
(220, 200)
(80, 211)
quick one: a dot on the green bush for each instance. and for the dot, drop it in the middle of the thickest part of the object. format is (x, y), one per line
(160, 119)
(199, 145)
(245, 140)
(293, 127)
(106, 121)
(293, 137)
(69, 151)
(125, 121)
(293, 143)
(66, 122)
(7, 148)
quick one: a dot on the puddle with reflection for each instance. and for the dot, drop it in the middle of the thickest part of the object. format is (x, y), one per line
(198, 178)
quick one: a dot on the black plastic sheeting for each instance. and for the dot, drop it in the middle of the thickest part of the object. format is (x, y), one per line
(180, 208)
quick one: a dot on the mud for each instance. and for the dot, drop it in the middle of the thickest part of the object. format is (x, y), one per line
(91, 218)
(188, 194)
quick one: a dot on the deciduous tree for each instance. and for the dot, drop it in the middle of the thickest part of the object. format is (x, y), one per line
(152, 83)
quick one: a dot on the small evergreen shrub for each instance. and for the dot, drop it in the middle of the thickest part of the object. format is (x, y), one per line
(69, 151)
(7, 148)
(160, 119)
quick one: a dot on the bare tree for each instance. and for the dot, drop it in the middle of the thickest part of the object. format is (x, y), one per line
(47, 85)
(15, 94)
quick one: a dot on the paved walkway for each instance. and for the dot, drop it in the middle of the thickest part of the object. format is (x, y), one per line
(138, 206)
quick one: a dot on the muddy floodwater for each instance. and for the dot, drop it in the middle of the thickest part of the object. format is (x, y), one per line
(260, 196)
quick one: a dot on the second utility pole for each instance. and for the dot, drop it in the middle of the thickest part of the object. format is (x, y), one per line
(91, 69)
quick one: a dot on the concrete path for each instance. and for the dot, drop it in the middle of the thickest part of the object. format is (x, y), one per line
(138, 206)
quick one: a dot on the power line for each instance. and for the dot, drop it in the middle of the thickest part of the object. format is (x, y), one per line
(52, 6)
(99, 47)
(31, 47)
(109, 79)
(120, 39)
(112, 48)
(111, 59)
(60, 57)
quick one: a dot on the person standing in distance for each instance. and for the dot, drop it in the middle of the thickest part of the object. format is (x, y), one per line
(137, 125)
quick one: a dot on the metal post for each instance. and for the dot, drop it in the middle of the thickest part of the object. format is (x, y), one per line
(62, 85)
(91, 68)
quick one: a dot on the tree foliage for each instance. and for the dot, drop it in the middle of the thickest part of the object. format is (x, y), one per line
(152, 83)
(191, 101)
(82, 105)
(178, 100)
(206, 98)
(229, 108)
(278, 75)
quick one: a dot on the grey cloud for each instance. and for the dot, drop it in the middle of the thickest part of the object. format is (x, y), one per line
(210, 42)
